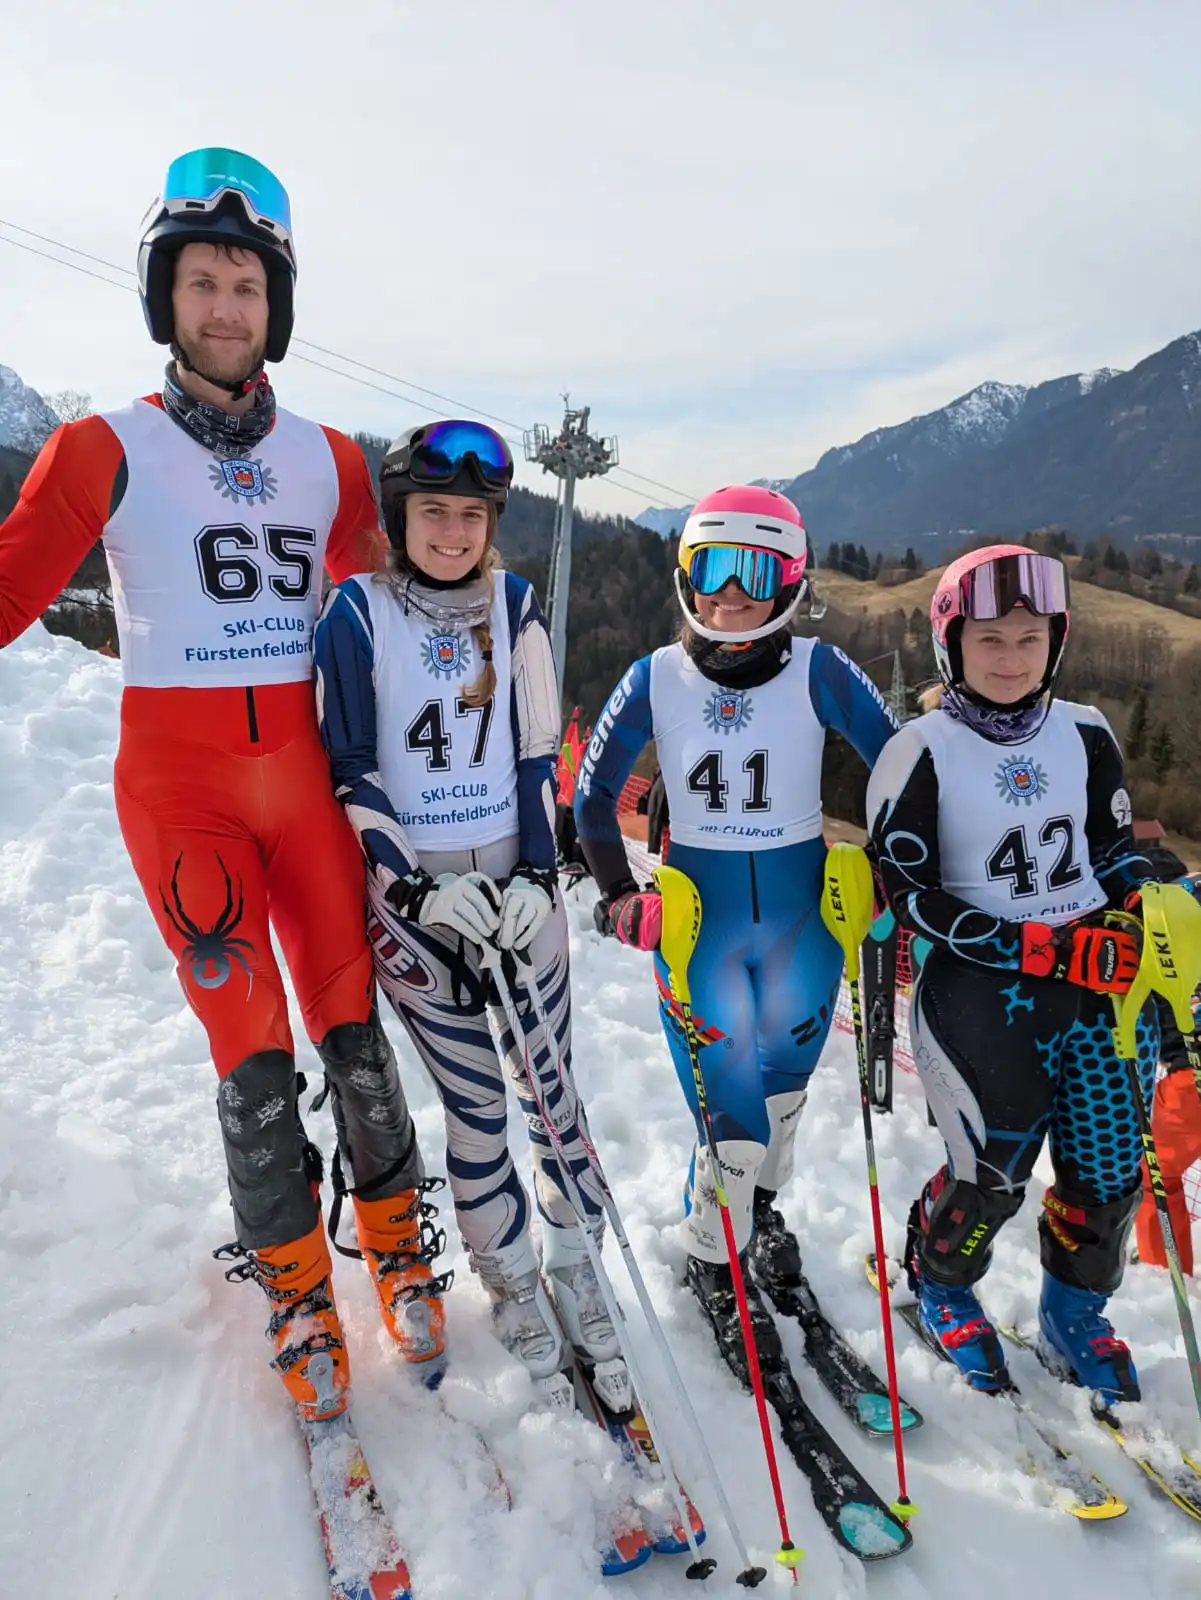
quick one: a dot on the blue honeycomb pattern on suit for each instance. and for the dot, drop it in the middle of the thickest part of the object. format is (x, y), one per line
(1096, 1122)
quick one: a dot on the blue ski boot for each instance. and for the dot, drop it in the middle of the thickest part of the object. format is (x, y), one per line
(952, 1223)
(954, 1324)
(1077, 1342)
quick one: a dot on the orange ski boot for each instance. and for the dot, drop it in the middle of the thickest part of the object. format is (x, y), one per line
(399, 1241)
(305, 1330)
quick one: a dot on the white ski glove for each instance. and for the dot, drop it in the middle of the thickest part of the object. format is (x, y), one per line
(466, 903)
(529, 898)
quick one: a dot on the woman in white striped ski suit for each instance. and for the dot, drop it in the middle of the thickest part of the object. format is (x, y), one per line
(440, 712)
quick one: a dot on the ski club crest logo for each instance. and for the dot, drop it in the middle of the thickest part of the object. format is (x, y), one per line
(447, 655)
(243, 480)
(728, 710)
(1021, 782)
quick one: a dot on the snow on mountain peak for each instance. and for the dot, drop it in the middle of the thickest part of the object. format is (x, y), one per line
(984, 415)
(25, 418)
(1089, 381)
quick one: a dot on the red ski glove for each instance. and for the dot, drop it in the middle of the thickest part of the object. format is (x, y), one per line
(1102, 956)
(635, 917)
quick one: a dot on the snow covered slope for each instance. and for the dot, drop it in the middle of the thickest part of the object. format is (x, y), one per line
(146, 1447)
(25, 418)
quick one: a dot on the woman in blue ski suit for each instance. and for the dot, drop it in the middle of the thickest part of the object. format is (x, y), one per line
(738, 709)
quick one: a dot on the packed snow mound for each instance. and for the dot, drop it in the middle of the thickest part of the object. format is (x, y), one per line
(25, 418)
(148, 1450)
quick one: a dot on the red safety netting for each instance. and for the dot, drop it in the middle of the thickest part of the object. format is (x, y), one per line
(629, 797)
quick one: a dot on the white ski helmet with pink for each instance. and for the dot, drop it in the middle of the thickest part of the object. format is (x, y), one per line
(989, 583)
(761, 540)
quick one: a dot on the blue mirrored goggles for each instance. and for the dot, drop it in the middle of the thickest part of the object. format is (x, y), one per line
(758, 573)
(446, 448)
(199, 181)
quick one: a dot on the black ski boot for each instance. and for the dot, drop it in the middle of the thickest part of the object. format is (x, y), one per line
(714, 1287)
(774, 1256)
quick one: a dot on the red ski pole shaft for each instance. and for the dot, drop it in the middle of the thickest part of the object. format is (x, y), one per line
(904, 1504)
(847, 906)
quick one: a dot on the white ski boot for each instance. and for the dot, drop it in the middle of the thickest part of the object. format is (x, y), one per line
(583, 1314)
(524, 1320)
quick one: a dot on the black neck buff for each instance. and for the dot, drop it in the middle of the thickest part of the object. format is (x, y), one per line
(742, 666)
(226, 433)
(239, 388)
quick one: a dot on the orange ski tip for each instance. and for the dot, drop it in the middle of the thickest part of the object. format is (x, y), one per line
(629, 1545)
(387, 1585)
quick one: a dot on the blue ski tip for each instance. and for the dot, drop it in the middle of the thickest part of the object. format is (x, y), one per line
(869, 1531)
(875, 1414)
(667, 1544)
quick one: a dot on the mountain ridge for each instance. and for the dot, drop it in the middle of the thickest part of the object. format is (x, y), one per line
(1106, 452)
(25, 417)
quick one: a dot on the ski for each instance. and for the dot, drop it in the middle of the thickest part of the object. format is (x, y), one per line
(629, 1429)
(860, 1394)
(851, 1509)
(362, 1554)
(604, 1393)
(496, 1483)
(1076, 1491)
(853, 1512)
(597, 1397)
(1172, 1472)
(1167, 1468)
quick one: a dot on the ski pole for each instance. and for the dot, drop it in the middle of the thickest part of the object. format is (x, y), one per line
(1171, 922)
(681, 926)
(848, 894)
(750, 1575)
(701, 1566)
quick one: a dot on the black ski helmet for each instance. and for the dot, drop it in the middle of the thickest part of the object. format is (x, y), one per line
(227, 198)
(467, 459)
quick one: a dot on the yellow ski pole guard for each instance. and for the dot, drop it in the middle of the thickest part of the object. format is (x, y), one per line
(1170, 964)
(848, 897)
(1172, 929)
(681, 926)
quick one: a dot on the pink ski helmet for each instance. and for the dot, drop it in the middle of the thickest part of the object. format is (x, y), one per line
(989, 583)
(753, 535)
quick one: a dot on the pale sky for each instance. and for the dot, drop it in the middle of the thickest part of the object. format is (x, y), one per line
(741, 232)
